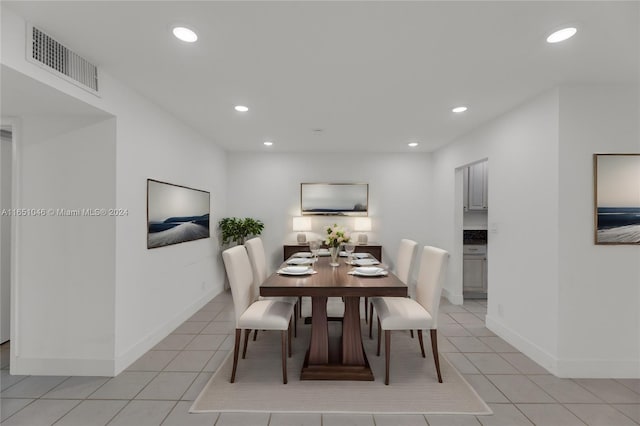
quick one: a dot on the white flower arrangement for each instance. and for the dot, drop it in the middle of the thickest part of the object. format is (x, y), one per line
(336, 235)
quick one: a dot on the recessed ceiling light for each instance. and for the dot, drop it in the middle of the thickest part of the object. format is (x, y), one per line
(268, 143)
(459, 109)
(562, 35)
(413, 144)
(185, 34)
(241, 108)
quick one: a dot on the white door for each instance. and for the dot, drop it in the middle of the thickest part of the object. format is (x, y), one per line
(5, 234)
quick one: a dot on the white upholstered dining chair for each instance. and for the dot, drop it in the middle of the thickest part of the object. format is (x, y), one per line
(403, 313)
(254, 314)
(404, 261)
(258, 259)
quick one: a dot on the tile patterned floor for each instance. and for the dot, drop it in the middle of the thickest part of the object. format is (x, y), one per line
(158, 388)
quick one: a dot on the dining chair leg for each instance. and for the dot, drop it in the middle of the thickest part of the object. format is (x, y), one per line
(371, 320)
(411, 332)
(366, 316)
(421, 343)
(434, 347)
(300, 306)
(236, 351)
(289, 333)
(387, 355)
(295, 320)
(379, 335)
(247, 333)
(284, 356)
(255, 334)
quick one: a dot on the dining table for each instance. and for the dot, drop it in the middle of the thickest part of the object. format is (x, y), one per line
(340, 357)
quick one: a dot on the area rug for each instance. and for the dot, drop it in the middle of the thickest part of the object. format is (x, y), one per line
(413, 388)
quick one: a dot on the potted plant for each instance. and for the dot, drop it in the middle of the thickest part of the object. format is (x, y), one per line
(235, 229)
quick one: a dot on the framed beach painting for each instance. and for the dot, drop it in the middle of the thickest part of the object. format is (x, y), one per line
(334, 199)
(175, 214)
(617, 198)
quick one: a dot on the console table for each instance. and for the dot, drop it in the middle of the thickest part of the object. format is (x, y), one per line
(373, 249)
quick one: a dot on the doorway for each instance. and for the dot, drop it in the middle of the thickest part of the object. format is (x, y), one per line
(474, 225)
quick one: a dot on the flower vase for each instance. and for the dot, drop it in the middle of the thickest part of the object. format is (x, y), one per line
(334, 251)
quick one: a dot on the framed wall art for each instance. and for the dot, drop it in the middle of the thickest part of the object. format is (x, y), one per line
(617, 198)
(175, 214)
(334, 199)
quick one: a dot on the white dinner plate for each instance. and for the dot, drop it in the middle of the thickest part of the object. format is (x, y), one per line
(360, 255)
(299, 261)
(302, 254)
(369, 271)
(296, 270)
(366, 262)
(323, 252)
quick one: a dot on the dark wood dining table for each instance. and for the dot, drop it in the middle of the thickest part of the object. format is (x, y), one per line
(334, 357)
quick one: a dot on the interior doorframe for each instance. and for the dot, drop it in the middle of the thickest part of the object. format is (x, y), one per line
(16, 134)
(456, 296)
(459, 222)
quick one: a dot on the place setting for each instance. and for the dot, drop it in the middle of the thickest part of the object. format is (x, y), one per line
(367, 261)
(369, 271)
(301, 261)
(302, 254)
(296, 270)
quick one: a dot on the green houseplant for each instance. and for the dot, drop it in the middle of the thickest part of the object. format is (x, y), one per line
(235, 229)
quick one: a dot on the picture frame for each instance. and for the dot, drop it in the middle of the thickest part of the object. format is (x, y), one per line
(334, 199)
(176, 214)
(616, 182)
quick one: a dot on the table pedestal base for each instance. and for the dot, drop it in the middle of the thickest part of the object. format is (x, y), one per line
(336, 358)
(334, 370)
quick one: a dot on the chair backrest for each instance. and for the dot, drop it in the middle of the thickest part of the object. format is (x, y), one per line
(433, 266)
(405, 259)
(236, 262)
(258, 259)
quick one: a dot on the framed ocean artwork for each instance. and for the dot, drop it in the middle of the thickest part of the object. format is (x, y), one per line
(617, 198)
(175, 214)
(334, 199)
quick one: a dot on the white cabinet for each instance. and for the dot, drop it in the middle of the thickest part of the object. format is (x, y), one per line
(475, 274)
(475, 187)
(474, 270)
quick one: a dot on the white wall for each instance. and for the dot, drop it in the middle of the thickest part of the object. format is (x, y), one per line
(267, 187)
(599, 292)
(5, 238)
(570, 305)
(522, 149)
(158, 289)
(152, 291)
(65, 264)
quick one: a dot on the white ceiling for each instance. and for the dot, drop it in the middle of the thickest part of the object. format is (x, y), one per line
(371, 75)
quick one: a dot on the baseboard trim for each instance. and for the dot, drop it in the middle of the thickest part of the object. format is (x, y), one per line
(524, 345)
(145, 344)
(455, 299)
(599, 368)
(62, 367)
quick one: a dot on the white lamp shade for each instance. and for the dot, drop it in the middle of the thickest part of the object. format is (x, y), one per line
(301, 223)
(363, 224)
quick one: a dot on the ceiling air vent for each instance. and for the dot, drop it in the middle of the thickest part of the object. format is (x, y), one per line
(46, 52)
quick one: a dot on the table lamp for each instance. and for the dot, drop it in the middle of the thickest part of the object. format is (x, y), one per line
(362, 225)
(301, 224)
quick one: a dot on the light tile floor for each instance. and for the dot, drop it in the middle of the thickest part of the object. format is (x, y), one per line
(159, 388)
